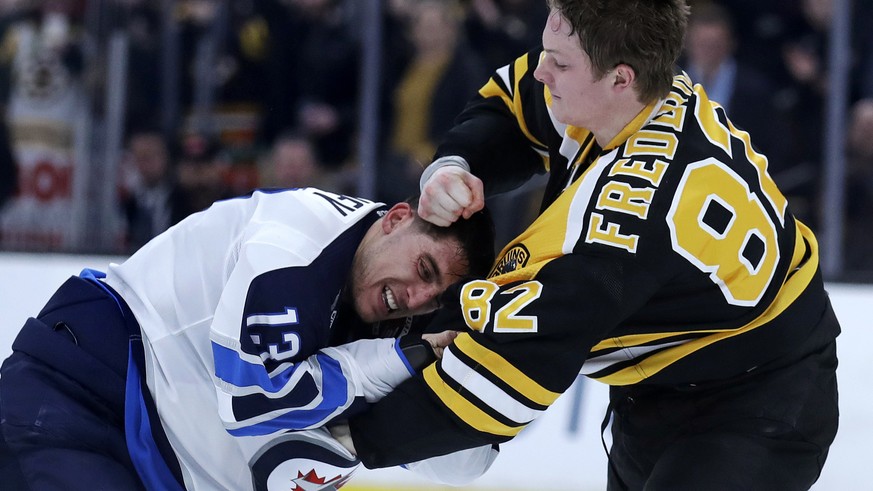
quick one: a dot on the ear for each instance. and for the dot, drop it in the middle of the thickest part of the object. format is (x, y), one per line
(398, 214)
(623, 76)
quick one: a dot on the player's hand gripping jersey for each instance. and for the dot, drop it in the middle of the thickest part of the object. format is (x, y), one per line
(667, 257)
(236, 306)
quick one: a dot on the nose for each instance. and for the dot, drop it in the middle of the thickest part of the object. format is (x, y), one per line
(541, 74)
(422, 298)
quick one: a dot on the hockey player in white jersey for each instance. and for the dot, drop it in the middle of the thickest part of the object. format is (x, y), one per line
(217, 355)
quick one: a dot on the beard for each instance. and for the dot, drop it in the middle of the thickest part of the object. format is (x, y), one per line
(356, 291)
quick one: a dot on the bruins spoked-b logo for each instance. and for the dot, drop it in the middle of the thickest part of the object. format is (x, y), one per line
(515, 258)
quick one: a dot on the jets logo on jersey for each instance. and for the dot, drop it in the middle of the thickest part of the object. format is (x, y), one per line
(302, 462)
(311, 481)
(515, 258)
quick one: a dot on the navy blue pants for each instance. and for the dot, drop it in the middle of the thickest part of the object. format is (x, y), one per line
(62, 395)
(768, 430)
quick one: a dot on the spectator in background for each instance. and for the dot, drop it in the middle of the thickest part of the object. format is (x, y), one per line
(148, 198)
(804, 56)
(396, 47)
(500, 29)
(225, 54)
(314, 77)
(859, 196)
(225, 68)
(142, 23)
(746, 93)
(292, 163)
(432, 88)
(864, 14)
(200, 171)
(760, 30)
(8, 166)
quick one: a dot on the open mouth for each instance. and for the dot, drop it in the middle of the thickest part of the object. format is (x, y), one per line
(390, 301)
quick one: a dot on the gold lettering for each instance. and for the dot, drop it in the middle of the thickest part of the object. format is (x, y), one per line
(652, 142)
(673, 112)
(639, 168)
(609, 235)
(624, 198)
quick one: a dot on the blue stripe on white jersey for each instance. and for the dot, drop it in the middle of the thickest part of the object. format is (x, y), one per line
(270, 373)
(258, 277)
(335, 397)
(231, 368)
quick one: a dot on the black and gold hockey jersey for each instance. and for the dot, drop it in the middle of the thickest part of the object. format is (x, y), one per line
(667, 257)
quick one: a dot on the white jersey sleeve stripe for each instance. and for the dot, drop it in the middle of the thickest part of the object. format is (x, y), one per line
(485, 390)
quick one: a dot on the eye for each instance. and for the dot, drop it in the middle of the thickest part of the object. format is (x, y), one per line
(558, 66)
(424, 270)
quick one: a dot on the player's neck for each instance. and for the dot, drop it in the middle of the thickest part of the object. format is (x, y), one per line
(618, 118)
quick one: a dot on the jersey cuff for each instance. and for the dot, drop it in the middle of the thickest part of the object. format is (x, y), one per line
(403, 358)
(439, 163)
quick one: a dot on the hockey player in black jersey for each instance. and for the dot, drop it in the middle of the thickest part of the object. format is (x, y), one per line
(665, 263)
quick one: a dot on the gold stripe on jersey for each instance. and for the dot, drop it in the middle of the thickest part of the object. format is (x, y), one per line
(463, 408)
(705, 112)
(577, 144)
(578, 135)
(513, 102)
(800, 275)
(539, 238)
(493, 89)
(488, 395)
(541, 247)
(505, 371)
(771, 192)
(633, 127)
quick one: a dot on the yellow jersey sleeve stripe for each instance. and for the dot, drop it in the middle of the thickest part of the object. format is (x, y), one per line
(492, 89)
(505, 371)
(496, 398)
(465, 409)
(521, 67)
(514, 103)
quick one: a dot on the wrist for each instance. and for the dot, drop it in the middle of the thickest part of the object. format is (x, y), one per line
(448, 160)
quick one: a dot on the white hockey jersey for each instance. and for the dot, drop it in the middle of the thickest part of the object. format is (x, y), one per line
(236, 305)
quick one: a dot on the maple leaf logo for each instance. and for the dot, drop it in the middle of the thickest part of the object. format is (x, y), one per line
(311, 481)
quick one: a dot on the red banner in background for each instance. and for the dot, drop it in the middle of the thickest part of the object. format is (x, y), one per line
(46, 115)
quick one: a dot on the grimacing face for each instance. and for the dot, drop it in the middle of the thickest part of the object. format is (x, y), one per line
(402, 271)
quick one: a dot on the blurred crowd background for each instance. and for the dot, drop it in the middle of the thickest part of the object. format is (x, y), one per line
(121, 117)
